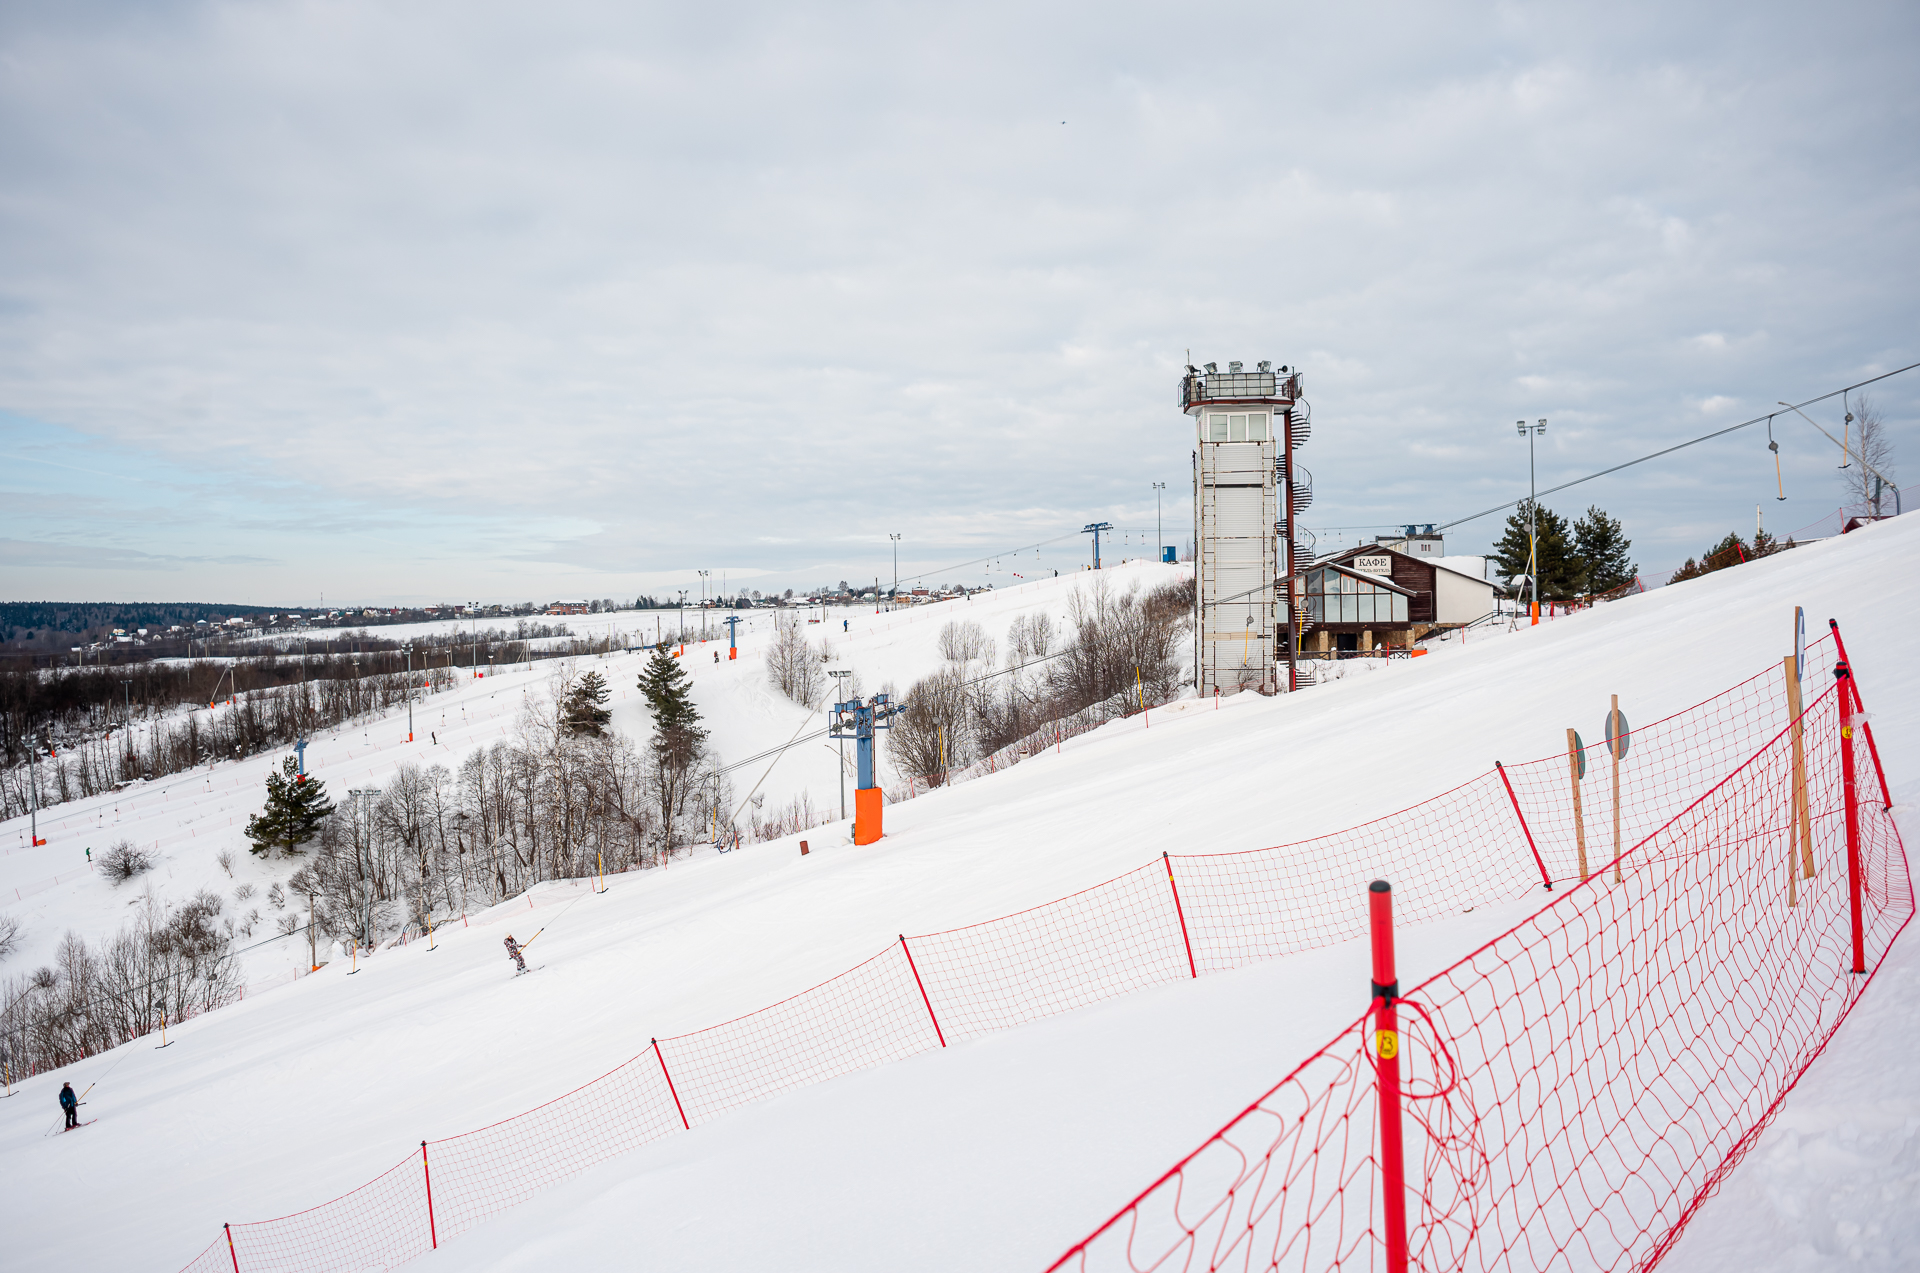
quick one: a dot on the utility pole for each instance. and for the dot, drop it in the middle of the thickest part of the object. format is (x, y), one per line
(1159, 535)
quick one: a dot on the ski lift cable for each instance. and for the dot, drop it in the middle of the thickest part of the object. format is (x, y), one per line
(1682, 446)
(822, 733)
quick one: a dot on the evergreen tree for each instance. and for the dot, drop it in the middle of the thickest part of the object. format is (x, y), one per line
(1600, 544)
(670, 694)
(1731, 551)
(583, 710)
(675, 751)
(295, 809)
(1558, 568)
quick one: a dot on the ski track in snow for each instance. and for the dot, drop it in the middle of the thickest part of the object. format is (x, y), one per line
(994, 1153)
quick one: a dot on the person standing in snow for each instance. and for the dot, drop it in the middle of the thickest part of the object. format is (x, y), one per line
(70, 1103)
(513, 953)
(843, 625)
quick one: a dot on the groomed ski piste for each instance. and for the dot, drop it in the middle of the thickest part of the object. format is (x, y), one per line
(997, 1152)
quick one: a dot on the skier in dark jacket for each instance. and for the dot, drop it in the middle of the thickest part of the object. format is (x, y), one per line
(513, 952)
(70, 1103)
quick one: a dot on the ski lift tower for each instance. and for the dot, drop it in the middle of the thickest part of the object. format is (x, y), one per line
(1247, 496)
(857, 720)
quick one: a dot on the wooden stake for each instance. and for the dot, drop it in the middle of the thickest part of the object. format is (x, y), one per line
(1613, 750)
(1579, 823)
(1802, 815)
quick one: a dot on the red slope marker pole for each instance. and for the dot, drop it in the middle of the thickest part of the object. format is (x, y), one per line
(937, 1032)
(433, 1230)
(1873, 749)
(231, 1253)
(1386, 1049)
(1181, 911)
(1851, 798)
(673, 1091)
(1523, 825)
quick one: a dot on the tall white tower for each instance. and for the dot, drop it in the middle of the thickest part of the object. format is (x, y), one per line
(1245, 500)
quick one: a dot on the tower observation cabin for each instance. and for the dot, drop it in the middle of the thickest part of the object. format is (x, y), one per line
(1247, 495)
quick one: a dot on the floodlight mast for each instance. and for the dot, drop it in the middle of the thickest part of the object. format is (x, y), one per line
(1533, 513)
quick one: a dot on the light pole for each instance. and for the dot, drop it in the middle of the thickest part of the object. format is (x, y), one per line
(1533, 513)
(1159, 535)
(840, 696)
(408, 647)
(704, 576)
(896, 565)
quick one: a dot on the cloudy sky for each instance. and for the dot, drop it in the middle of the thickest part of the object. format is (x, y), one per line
(518, 301)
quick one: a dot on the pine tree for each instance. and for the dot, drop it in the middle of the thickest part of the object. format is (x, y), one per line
(670, 694)
(1559, 570)
(1600, 545)
(295, 809)
(582, 711)
(1731, 551)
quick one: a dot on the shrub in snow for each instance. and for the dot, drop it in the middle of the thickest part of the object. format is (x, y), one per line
(9, 935)
(123, 861)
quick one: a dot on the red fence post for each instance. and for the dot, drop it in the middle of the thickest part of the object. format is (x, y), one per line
(231, 1253)
(433, 1230)
(673, 1091)
(937, 1033)
(1851, 799)
(1524, 828)
(1386, 1026)
(1181, 911)
(1873, 749)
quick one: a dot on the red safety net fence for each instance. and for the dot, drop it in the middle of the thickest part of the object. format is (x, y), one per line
(1501, 836)
(1579, 1086)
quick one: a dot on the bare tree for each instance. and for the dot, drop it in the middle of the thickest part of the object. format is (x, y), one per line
(963, 641)
(1870, 451)
(933, 734)
(793, 666)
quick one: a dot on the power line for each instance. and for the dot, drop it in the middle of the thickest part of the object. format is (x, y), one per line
(1718, 433)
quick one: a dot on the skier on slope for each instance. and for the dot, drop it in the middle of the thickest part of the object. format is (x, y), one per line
(513, 953)
(70, 1103)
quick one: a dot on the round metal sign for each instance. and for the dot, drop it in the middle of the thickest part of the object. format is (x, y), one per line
(1580, 756)
(1799, 644)
(1617, 733)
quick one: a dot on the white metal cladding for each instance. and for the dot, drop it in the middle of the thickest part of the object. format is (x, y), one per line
(1249, 462)
(1242, 515)
(1237, 559)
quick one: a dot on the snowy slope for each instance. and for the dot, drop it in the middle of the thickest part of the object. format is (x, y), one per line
(993, 1153)
(190, 818)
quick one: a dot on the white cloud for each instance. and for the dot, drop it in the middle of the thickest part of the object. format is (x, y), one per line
(628, 290)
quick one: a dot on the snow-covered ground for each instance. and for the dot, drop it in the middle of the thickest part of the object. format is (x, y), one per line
(994, 1153)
